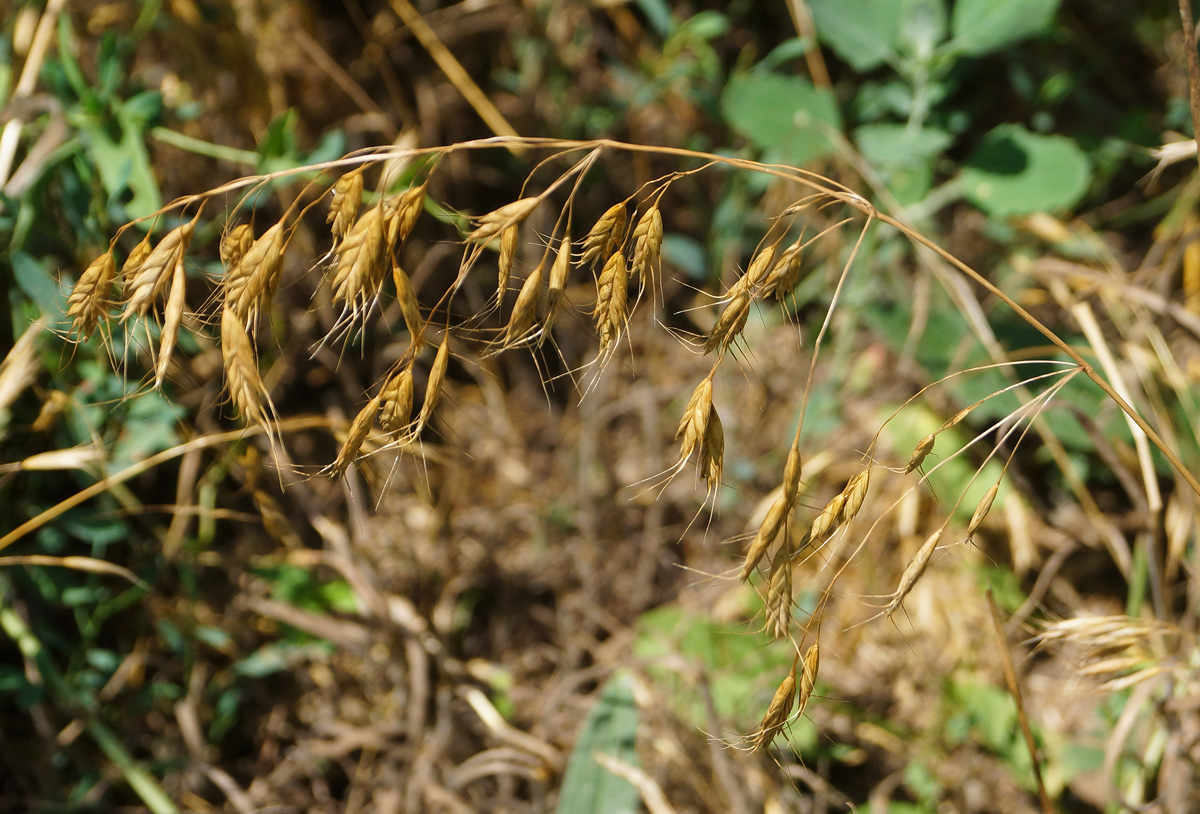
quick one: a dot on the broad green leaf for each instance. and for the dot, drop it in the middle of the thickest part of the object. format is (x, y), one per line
(923, 26)
(897, 145)
(785, 116)
(610, 729)
(862, 32)
(36, 282)
(1016, 172)
(980, 26)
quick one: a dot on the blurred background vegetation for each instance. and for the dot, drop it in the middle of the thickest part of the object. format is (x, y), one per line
(470, 636)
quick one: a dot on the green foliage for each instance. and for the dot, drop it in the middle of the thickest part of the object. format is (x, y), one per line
(610, 729)
(786, 117)
(1015, 172)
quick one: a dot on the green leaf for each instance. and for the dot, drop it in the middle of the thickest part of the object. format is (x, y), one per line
(896, 145)
(980, 26)
(1016, 172)
(862, 32)
(610, 729)
(36, 282)
(783, 115)
(923, 26)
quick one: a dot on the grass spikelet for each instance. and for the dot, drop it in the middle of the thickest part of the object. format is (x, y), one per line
(136, 257)
(808, 676)
(360, 428)
(557, 286)
(827, 521)
(792, 471)
(778, 713)
(245, 385)
(760, 265)
(647, 241)
(923, 448)
(606, 236)
(172, 318)
(913, 571)
(524, 311)
(767, 534)
(782, 279)
(510, 241)
(401, 213)
(433, 387)
(730, 324)
(712, 451)
(694, 424)
(779, 593)
(981, 511)
(611, 301)
(343, 205)
(251, 284)
(88, 302)
(153, 273)
(234, 245)
(358, 271)
(496, 221)
(855, 493)
(396, 401)
(409, 306)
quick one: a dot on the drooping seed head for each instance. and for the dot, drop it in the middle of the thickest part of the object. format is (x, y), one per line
(154, 272)
(855, 492)
(913, 571)
(172, 318)
(496, 221)
(694, 422)
(359, 270)
(923, 448)
(234, 245)
(779, 593)
(409, 306)
(396, 400)
(712, 451)
(647, 241)
(360, 428)
(437, 377)
(250, 286)
(791, 474)
(524, 311)
(401, 213)
(612, 301)
(784, 275)
(730, 323)
(779, 711)
(510, 241)
(88, 302)
(344, 203)
(605, 237)
(242, 379)
(827, 521)
(981, 511)
(760, 265)
(136, 257)
(768, 533)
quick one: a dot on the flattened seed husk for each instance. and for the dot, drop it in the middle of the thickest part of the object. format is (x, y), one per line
(694, 423)
(173, 317)
(491, 224)
(437, 376)
(397, 401)
(401, 214)
(923, 448)
(768, 533)
(558, 275)
(359, 270)
(784, 275)
(234, 245)
(808, 677)
(712, 451)
(88, 302)
(246, 389)
(136, 257)
(524, 311)
(606, 236)
(914, 570)
(779, 593)
(791, 474)
(856, 493)
(360, 428)
(827, 521)
(251, 286)
(760, 265)
(510, 240)
(647, 241)
(409, 306)
(779, 711)
(155, 271)
(730, 323)
(981, 511)
(343, 205)
(611, 301)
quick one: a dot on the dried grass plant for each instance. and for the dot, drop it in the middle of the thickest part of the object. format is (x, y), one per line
(619, 258)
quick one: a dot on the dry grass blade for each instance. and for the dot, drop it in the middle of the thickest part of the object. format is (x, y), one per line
(524, 311)
(605, 237)
(234, 245)
(343, 205)
(359, 269)
(396, 401)
(88, 302)
(250, 285)
(172, 319)
(730, 323)
(152, 274)
(914, 571)
(612, 294)
(433, 387)
(246, 389)
(360, 428)
(409, 306)
(647, 241)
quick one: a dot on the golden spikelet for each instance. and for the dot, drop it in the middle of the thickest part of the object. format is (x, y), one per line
(234, 245)
(360, 428)
(981, 511)
(792, 471)
(730, 323)
(437, 377)
(606, 236)
(647, 241)
(510, 241)
(855, 493)
(767, 534)
(172, 318)
(344, 203)
(88, 302)
(913, 571)
(251, 284)
(923, 448)
(760, 264)
(359, 270)
(827, 521)
(712, 451)
(496, 221)
(155, 271)
(779, 593)
(136, 257)
(409, 306)
(694, 424)
(778, 713)
(396, 400)
(401, 213)
(782, 279)
(611, 301)
(524, 311)
(808, 676)
(246, 389)
(557, 285)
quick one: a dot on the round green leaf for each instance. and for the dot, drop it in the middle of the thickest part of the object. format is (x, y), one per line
(1015, 172)
(783, 115)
